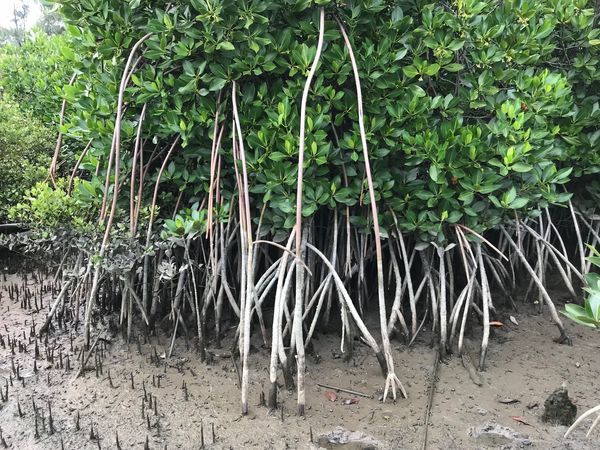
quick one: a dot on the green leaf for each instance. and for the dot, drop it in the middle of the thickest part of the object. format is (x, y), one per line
(454, 67)
(225, 45)
(581, 319)
(277, 156)
(417, 90)
(189, 87)
(454, 216)
(67, 52)
(188, 68)
(594, 260)
(397, 14)
(433, 173)
(400, 54)
(432, 69)
(456, 45)
(423, 195)
(562, 174)
(216, 84)
(593, 305)
(510, 196)
(518, 203)
(592, 280)
(521, 167)
(574, 310)
(410, 71)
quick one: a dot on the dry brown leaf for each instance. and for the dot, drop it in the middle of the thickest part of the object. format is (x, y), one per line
(496, 323)
(330, 395)
(520, 419)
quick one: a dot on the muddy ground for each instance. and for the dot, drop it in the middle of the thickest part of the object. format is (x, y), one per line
(524, 366)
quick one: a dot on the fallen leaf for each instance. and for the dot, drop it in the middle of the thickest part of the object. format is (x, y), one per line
(496, 323)
(350, 401)
(508, 401)
(520, 419)
(330, 395)
(513, 320)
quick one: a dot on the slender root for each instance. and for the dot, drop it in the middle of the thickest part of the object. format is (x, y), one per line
(581, 418)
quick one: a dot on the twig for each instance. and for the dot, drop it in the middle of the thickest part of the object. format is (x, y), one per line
(74, 172)
(419, 329)
(219, 353)
(347, 391)
(56, 155)
(86, 359)
(57, 303)
(237, 369)
(484, 240)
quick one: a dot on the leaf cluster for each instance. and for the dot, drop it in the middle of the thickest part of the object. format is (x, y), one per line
(589, 314)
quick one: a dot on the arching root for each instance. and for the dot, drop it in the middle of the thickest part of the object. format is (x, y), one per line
(564, 339)
(393, 382)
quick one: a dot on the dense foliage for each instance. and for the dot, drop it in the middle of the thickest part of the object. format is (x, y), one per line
(48, 208)
(473, 109)
(25, 147)
(32, 74)
(31, 78)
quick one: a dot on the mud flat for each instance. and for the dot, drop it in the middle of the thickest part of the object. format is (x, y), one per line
(134, 394)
